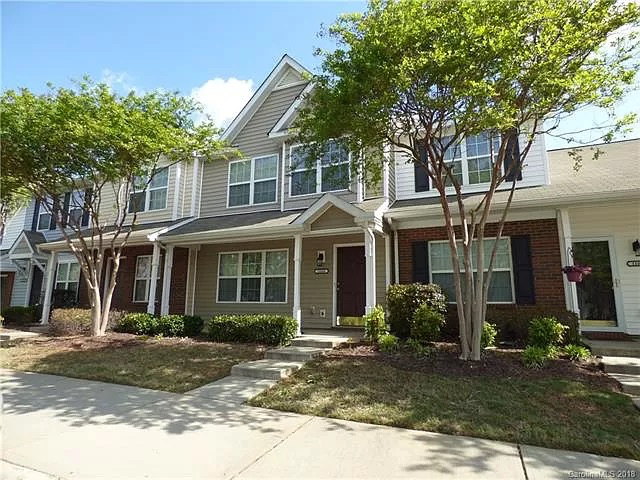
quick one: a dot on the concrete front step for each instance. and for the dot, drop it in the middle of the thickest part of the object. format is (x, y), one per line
(294, 353)
(630, 365)
(319, 341)
(630, 383)
(267, 368)
(614, 348)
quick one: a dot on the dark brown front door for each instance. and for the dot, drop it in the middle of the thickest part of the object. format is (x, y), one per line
(351, 281)
(6, 287)
(36, 286)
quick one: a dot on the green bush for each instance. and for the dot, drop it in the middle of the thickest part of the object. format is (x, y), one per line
(576, 352)
(489, 334)
(404, 299)
(70, 321)
(426, 324)
(546, 332)
(419, 349)
(388, 343)
(19, 315)
(375, 325)
(535, 357)
(170, 326)
(259, 328)
(193, 325)
(138, 324)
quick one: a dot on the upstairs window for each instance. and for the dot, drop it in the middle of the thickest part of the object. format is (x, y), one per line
(75, 208)
(329, 173)
(152, 196)
(253, 181)
(45, 220)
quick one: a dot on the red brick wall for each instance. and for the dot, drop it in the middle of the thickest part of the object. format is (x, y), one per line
(178, 294)
(545, 254)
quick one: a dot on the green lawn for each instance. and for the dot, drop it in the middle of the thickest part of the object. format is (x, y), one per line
(170, 364)
(564, 413)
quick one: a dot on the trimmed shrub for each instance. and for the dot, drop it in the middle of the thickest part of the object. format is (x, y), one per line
(138, 324)
(169, 326)
(70, 321)
(259, 328)
(426, 324)
(193, 325)
(489, 334)
(576, 352)
(546, 332)
(19, 315)
(419, 349)
(388, 343)
(404, 299)
(535, 357)
(375, 325)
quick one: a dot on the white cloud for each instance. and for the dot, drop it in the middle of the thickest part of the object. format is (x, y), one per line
(120, 82)
(223, 99)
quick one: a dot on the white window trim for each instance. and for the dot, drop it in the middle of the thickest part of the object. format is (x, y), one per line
(43, 211)
(464, 161)
(262, 277)
(252, 180)
(318, 169)
(66, 281)
(149, 189)
(501, 269)
(148, 279)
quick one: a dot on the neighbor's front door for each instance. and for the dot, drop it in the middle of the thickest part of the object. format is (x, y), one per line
(351, 279)
(596, 292)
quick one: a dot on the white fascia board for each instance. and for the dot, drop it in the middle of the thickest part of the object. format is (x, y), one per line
(233, 233)
(260, 95)
(323, 204)
(152, 237)
(277, 131)
(17, 241)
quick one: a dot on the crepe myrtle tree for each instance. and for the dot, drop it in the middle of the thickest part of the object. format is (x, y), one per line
(419, 76)
(86, 154)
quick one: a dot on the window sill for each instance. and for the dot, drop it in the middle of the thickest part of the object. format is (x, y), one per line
(317, 194)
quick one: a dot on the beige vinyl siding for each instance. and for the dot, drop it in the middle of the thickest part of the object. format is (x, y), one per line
(252, 141)
(206, 304)
(333, 218)
(619, 222)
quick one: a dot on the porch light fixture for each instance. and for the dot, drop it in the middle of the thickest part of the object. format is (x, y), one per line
(320, 258)
(636, 247)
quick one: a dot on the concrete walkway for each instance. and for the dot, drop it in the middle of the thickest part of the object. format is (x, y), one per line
(66, 428)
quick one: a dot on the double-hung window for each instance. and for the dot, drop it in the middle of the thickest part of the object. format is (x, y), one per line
(441, 268)
(44, 217)
(68, 276)
(480, 151)
(328, 173)
(151, 196)
(452, 156)
(253, 181)
(142, 280)
(253, 276)
(76, 207)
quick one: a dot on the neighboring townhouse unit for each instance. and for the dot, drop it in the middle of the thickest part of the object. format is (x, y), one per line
(269, 233)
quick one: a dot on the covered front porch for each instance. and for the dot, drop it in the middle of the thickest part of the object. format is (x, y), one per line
(326, 266)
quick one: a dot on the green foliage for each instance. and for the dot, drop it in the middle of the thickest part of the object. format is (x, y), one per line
(419, 349)
(70, 321)
(388, 343)
(489, 334)
(192, 325)
(404, 299)
(166, 325)
(260, 328)
(375, 324)
(426, 324)
(546, 332)
(576, 352)
(19, 315)
(535, 357)
(138, 324)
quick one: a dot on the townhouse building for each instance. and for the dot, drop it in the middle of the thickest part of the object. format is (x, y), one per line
(270, 233)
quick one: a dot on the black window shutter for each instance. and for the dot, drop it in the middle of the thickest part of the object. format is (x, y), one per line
(34, 221)
(512, 155)
(420, 261)
(65, 208)
(420, 172)
(85, 212)
(522, 270)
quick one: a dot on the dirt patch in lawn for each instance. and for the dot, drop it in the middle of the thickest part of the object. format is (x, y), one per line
(170, 364)
(495, 363)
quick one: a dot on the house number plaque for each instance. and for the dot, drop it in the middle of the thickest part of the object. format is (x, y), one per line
(633, 263)
(321, 270)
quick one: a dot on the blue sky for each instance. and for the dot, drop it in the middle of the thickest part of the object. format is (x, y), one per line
(218, 51)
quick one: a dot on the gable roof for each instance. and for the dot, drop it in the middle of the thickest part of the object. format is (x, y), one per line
(33, 239)
(279, 71)
(282, 125)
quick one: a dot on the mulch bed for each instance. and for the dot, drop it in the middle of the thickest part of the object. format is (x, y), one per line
(110, 340)
(499, 362)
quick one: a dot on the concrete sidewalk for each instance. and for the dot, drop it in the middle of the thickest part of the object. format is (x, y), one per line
(70, 428)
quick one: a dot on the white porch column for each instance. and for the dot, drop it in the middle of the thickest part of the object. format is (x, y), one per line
(48, 287)
(564, 231)
(370, 268)
(166, 280)
(297, 273)
(387, 261)
(155, 260)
